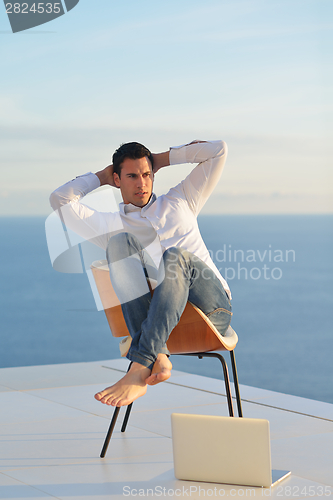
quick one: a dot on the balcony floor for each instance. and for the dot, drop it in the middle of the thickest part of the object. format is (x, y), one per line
(52, 431)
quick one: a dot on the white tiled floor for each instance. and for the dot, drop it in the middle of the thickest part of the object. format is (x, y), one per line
(52, 431)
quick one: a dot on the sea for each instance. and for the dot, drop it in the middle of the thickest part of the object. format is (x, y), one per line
(279, 269)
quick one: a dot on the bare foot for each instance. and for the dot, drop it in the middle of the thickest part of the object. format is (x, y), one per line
(127, 389)
(161, 370)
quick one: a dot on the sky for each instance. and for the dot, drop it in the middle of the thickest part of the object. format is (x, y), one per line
(255, 73)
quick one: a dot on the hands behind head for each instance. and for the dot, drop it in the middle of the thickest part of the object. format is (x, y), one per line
(106, 176)
(160, 160)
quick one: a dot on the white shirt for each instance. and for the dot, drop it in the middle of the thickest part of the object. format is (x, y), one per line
(166, 221)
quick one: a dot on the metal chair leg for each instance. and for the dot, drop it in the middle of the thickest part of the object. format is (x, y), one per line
(219, 356)
(235, 377)
(110, 431)
(226, 377)
(127, 414)
(113, 423)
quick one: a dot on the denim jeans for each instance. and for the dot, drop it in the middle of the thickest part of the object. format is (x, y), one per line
(181, 277)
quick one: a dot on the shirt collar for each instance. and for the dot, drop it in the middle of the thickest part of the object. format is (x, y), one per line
(126, 208)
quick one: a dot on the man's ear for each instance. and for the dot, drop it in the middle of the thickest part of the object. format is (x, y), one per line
(116, 179)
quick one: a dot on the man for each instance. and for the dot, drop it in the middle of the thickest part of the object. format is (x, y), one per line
(152, 237)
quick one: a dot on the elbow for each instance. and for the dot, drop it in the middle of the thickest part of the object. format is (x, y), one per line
(223, 149)
(220, 149)
(54, 201)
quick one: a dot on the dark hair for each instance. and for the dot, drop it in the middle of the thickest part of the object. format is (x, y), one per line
(131, 150)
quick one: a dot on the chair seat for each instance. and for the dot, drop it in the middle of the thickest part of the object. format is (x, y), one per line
(194, 332)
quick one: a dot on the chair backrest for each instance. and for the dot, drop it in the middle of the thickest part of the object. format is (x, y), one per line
(194, 332)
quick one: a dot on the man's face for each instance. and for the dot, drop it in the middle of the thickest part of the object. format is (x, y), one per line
(135, 181)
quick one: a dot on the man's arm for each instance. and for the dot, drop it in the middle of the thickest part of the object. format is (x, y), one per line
(161, 160)
(89, 223)
(199, 184)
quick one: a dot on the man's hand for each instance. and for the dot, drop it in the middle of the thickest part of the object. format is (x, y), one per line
(106, 176)
(196, 142)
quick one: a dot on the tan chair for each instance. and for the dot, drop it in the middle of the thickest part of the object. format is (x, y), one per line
(195, 335)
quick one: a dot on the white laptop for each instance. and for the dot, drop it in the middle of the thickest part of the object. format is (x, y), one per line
(227, 450)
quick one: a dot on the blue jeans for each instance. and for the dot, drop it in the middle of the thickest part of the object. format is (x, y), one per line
(181, 277)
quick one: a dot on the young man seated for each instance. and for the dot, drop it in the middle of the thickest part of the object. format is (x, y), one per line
(157, 238)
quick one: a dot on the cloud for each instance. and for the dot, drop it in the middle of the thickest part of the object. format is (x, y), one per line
(272, 203)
